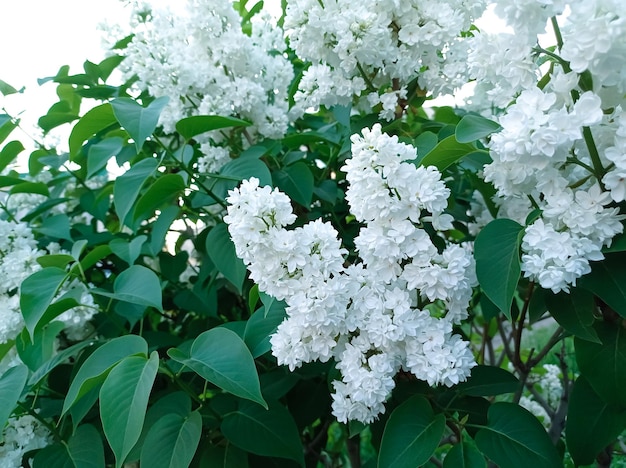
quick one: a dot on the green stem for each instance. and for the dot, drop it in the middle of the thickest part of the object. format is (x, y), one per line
(557, 32)
(368, 82)
(598, 169)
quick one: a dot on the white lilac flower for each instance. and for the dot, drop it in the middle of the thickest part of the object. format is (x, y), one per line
(182, 56)
(21, 435)
(365, 316)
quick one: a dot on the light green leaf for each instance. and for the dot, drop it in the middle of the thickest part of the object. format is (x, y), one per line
(271, 432)
(261, 325)
(94, 121)
(9, 153)
(297, 182)
(6, 126)
(127, 186)
(36, 294)
(172, 441)
(99, 363)
(411, 434)
(124, 400)
(85, 447)
(192, 126)
(512, 435)
(100, 153)
(498, 269)
(474, 127)
(222, 358)
(592, 424)
(447, 152)
(138, 121)
(137, 285)
(34, 354)
(11, 385)
(57, 226)
(604, 364)
(221, 251)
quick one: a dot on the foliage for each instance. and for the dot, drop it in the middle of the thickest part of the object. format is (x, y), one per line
(216, 303)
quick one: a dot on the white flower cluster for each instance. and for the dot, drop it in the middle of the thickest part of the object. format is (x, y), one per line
(372, 46)
(21, 435)
(372, 317)
(18, 260)
(207, 65)
(561, 146)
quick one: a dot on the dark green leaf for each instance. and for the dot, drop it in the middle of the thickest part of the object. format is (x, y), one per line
(172, 441)
(489, 381)
(36, 294)
(99, 363)
(57, 226)
(447, 152)
(607, 280)
(34, 354)
(56, 360)
(604, 364)
(93, 122)
(411, 434)
(165, 189)
(85, 447)
(124, 400)
(100, 153)
(260, 326)
(474, 127)
(592, 424)
(127, 186)
(222, 358)
(9, 153)
(192, 126)
(574, 312)
(11, 385)
(127, 251)
(512, 435)
(138, 121)
(53, 456)
(464, 455)
(496, 251)
(270, 432)
(297, 182)
(221, 251)
(137, 285)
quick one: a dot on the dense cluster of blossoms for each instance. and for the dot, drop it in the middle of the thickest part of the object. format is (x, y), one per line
(18, 260)
(373, 317)
(373, 49)
(21, 435)
(207, 65)
(561, 146)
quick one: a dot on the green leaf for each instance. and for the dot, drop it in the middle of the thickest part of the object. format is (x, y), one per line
(172, 441)
(6, 126)
(9, 153)
(221, 251)
(127, 251)
(59, 358)
(100, 153)
(127, 186)
(464, 455)
(34, 354)
(138, 121)
(425, 143)
(240, 169)
(411, 434)
(85, 447)
(93, 257)
(607, 280)
(447, 152)
(6, 89)
(271, 432)
(474, 127)
(496, 251)
(57, 226)
(36, 294)
(11, 385)
(137, 285)
(261, 325)
(489, 381)
(512, 435)
(124, 400)
(604, 364)
(165, 189)
(591, 423)
(96, 120)
(53, 456)
(574, 312)
(192, 126)
(99, 363)
(161, 227)
(226, 456)
(222, 358)
(297, 182)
